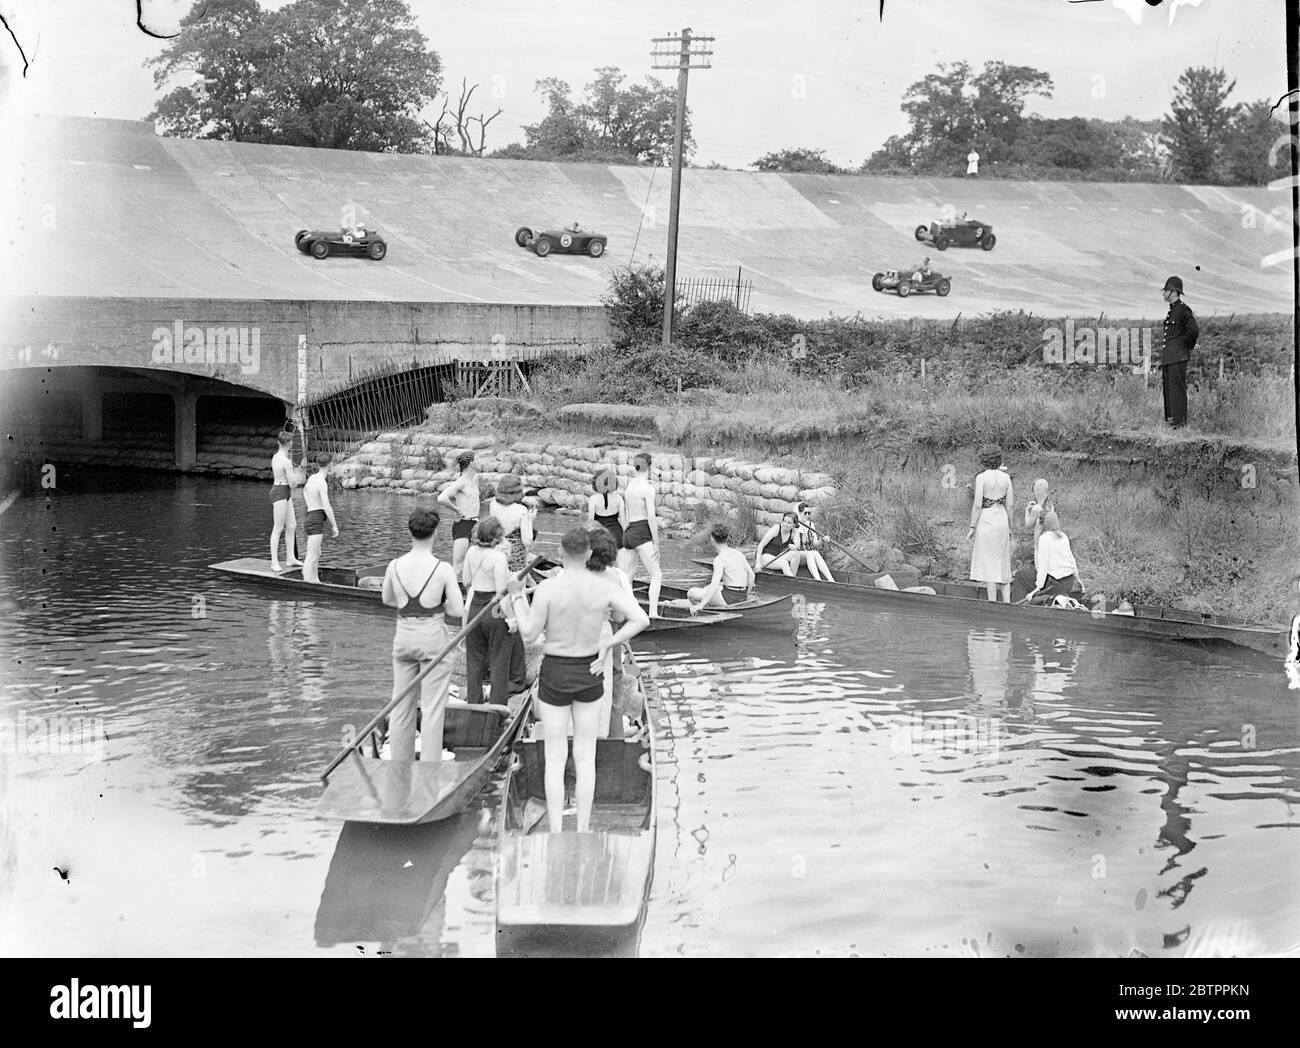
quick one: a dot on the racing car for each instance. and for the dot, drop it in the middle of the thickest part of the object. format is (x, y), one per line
(571, 241)
(353, 240)
(916, 280)
(965, 232)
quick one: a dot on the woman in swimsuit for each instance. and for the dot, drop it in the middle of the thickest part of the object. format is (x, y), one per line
(493, 643)
(809, 542)
(778, 548)
(605, 506)
(990, 525)
(421, 587)
(516, 520)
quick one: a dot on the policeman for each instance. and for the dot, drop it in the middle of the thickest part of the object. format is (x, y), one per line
(1180, 334)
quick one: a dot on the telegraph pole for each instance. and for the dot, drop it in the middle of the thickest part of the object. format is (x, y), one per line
(679, 50)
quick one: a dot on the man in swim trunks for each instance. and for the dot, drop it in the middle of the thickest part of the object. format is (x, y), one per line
(283, 520)
(641, 536)
(733, 578)
(570, 610)
(462, 496)
(315, 493)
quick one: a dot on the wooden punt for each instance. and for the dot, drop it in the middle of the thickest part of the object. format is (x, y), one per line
(369, 788)
(967, 598)
(344, 586)
(366, 788)
(598, 880)
(760, 613)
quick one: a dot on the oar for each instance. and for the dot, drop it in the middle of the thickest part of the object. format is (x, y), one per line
(364, 733)
(841, 547)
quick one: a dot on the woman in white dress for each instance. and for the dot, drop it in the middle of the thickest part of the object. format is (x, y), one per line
(990, 525)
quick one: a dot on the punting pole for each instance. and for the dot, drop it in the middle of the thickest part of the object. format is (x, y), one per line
(840, 546)
(361, 736)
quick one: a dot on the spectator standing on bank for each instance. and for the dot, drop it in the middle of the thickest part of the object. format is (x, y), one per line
(1180, 336)
(972, 162)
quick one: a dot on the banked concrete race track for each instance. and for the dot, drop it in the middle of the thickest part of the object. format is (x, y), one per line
(137, 215)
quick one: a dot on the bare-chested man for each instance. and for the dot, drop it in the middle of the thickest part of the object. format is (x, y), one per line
(462, 496)
(641, 536)
(315, 493)
(282, 516)
(733, 579)
(571, 609)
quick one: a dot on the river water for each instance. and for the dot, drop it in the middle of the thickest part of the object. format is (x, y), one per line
(879, 784)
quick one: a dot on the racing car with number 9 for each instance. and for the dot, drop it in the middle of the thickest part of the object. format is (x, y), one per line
(964, 232)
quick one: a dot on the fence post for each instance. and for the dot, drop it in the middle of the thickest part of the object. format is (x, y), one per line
(1220, 369)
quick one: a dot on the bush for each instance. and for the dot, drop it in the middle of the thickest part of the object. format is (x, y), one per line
(634, 302)
(645, 374)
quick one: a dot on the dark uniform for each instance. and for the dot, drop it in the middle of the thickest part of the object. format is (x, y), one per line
(1180, 336)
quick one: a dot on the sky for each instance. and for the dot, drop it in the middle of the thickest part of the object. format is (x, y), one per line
(822, 74)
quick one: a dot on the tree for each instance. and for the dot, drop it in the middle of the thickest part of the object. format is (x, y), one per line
(338, 74)
(1000, 94)
(612, 124)
(637, 120)
(1250, 143)
(221, 51)
(1197, 128)
(954, 109)
(456, 121)
(803, 160)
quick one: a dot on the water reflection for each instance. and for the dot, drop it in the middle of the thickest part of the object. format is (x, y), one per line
(298, 652)
(388, 883)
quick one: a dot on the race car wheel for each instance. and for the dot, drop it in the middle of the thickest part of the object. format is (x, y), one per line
(542, 247)
(877, 281)
(941, 242)
(988, 242)
(566, 241)
(942, 288)
(320, 249)
(596, 248)
(377, 249)
(921, 231)
(904, 288)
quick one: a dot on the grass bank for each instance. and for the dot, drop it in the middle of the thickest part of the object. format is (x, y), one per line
(1200, 518)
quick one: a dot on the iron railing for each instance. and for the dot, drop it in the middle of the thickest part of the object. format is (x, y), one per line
(714, 289)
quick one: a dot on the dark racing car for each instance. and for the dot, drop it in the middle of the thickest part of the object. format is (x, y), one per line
(917, 280)
(965, 232)
(351, 240)
(571, 241)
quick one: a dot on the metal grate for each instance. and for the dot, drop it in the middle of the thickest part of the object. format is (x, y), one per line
(388, 396)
